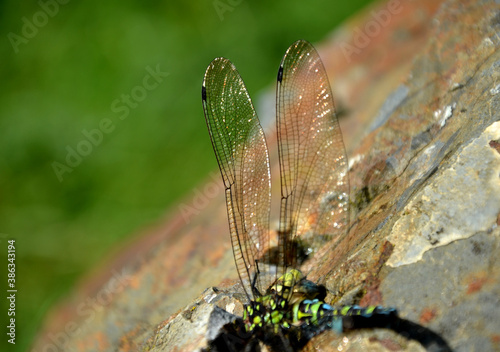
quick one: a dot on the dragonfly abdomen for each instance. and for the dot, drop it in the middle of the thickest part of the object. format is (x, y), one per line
(367, 312)
(356, 317)
(316, 312)
(310, 311)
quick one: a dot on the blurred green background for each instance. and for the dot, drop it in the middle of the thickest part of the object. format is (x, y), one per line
(65, 68)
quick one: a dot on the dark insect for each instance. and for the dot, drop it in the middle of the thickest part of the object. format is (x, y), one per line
(285, 309)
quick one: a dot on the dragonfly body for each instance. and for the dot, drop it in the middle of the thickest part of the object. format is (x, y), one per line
(314, 192)
(289, 304)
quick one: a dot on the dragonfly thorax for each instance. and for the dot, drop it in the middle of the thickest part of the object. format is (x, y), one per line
(294, 287)
(289, 301)
(269, 310)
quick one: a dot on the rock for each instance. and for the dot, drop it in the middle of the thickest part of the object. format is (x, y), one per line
(418, 84)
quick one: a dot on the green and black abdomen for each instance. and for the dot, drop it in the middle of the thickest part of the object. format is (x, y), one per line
(315, 312)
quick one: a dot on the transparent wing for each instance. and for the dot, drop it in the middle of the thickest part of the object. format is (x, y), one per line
(313, 162)
(240, 147)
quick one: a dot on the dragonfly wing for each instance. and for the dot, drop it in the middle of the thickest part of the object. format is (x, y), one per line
(240, 147)
(313, 162)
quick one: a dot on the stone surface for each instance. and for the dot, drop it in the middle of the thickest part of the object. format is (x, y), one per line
(420, 100)
(462, 200)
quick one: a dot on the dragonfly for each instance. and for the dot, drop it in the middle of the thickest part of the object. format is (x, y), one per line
(282, 304)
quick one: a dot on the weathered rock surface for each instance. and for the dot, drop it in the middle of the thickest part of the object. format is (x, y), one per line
(421, 97)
